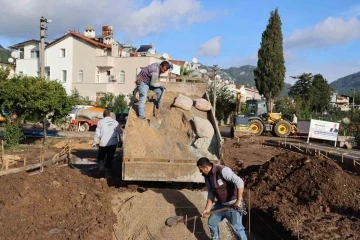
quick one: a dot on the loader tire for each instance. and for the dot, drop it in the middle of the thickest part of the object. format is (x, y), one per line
(256, 127)
(282, 128)
(84, 127)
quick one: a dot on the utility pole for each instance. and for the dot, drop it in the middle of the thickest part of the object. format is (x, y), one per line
(353, 100)
(43, 28)
(215, 69)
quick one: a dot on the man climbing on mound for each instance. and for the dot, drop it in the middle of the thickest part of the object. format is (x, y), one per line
(147, 80)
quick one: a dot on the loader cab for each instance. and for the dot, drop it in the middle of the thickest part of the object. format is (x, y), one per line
(256, 108)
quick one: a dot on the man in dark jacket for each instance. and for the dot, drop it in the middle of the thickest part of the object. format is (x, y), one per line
(227, 188)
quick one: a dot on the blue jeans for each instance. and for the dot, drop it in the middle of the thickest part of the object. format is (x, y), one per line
(143, 91)
(234, 217)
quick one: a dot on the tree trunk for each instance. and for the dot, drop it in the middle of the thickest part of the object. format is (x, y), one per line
(44, 130)
(268, 103)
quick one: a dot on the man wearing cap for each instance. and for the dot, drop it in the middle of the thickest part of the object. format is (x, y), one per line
(147, 80)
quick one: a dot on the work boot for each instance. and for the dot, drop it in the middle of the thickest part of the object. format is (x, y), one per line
(101, 166)
(107, 173)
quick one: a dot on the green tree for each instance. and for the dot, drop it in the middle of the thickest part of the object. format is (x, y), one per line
(13, 133)
(270, 71)
(311, 93)
(225, 102)
(78, 99)
(185, 72)
(116, 104)
(320, 94)
(35, 97)
(4, 73)
(285, 106)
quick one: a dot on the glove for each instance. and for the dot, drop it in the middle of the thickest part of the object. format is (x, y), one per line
(241, 209)
(162, 88)
(93, 147)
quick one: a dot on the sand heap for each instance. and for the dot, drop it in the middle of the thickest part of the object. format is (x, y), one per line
(173, 140)
(150, 209)
(312, 196)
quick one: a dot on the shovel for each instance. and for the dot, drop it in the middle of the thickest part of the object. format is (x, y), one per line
(157, 123)
(172, 221)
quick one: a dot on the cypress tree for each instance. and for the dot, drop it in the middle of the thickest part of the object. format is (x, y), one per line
(270, 70)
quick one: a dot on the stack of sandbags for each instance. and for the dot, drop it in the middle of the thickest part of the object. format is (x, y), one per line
(186, 103)
(202, 104)
(183, 102)
(205, 133)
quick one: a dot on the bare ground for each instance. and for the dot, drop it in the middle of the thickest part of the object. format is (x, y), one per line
(297, 194)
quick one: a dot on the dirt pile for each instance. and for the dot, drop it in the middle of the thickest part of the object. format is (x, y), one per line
(176, 133)
(312, 196)
(247, 151)
(59, 203)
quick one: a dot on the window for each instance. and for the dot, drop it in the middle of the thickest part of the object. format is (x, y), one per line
(34, 54)
(122, 77)
(21, 73)
(108, 73)
(81, 76)
(21, 53)
(97, 76)
(62, 53)
(63, 75)
(47, 72)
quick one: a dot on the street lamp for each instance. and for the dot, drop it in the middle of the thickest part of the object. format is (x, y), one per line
(43, 28)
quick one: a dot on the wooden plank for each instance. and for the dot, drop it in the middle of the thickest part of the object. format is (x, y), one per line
(33, 166)
(184, 78)
(162, 160)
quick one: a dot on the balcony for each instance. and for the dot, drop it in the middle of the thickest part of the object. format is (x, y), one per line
(105, 61)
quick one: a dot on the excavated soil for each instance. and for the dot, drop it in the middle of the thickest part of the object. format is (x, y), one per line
(308, 196)
(246, 152)
(58, 203)
(175, 133)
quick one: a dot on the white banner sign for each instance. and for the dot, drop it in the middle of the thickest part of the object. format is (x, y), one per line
(323, 130)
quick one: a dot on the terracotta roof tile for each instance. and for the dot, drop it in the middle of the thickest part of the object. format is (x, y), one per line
(78, 35)
(177, 62)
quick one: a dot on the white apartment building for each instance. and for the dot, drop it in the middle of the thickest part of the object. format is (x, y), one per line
(93, 65)
(28, 62)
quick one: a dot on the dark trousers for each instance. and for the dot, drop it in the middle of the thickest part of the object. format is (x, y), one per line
(108, 152)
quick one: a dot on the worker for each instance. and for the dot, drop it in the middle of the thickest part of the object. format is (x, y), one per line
(227, 188)
(143, 82)
(108, 132)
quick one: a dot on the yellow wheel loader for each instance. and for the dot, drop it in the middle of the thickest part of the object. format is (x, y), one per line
(256, 120)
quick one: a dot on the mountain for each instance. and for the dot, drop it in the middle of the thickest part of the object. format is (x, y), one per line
(345, 84)
(243, 75)
(4, 54)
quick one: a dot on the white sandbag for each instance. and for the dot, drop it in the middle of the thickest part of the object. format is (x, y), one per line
(155, 80)
(183, 102)
(202, 143)
(202, 104)
(204, 128)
